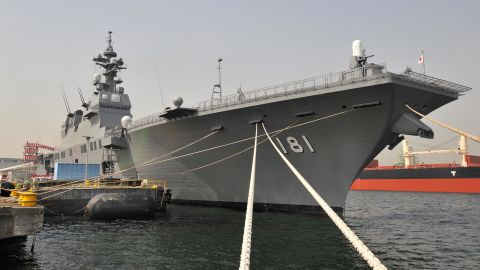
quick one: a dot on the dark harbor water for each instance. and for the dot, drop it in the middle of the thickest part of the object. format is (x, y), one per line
(406, 230)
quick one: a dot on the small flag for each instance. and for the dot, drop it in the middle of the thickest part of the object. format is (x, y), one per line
(420, 59)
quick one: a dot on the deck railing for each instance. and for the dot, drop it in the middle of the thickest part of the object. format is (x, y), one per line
(433, 82)
(366, 73)
(362, 74)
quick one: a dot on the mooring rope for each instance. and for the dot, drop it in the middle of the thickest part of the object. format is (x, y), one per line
(247, 230)
(57, 187)
(151, 161)
(456, 130)
(177, 150)
(56, 194)
(227, 157)
(244, 140)
(362, 249)
(84, 208)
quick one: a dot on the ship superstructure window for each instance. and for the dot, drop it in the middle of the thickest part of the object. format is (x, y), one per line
(95, 145)
(115, 98)
(91, 146)
(70, 152)
(105, 96)
(62, 154)
(56, 156)
(99, 144)
(83, 148)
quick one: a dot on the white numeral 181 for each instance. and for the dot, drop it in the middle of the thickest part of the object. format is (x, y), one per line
(294, 145)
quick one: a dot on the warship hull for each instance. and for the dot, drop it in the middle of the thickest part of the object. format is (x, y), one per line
(334, 134)
(328, 126)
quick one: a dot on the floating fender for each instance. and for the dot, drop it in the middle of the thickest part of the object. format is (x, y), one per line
(119, 205)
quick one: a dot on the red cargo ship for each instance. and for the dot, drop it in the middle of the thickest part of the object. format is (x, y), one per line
(463, 178)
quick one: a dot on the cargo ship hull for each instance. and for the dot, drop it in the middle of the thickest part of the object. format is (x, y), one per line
(448, 179)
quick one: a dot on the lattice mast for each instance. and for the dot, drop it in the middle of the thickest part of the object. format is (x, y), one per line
(217, 88)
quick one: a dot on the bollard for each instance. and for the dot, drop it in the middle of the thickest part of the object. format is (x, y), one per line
(14, 193)
(27, 198)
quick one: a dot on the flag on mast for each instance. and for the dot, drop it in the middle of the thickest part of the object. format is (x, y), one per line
(421, 59)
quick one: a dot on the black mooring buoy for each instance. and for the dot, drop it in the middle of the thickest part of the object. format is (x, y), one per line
(120, 205)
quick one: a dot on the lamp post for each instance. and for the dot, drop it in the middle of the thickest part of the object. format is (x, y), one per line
(86, 158)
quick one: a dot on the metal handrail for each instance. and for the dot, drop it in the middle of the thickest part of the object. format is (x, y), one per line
(433, 82)
(362, 74)
(306, 85)
(295, 87)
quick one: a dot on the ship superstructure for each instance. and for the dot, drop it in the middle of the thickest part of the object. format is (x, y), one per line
(329, 126)
(85, 132)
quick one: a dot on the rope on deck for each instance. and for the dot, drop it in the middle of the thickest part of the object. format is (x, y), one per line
(247, 230)
(362, 249)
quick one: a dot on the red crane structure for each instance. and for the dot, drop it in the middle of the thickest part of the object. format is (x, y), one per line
(30, 151)
(31, 155)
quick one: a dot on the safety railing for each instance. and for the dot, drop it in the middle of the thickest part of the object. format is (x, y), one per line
(362, 74)
(433, 82)
(368, 72)
(146, 120)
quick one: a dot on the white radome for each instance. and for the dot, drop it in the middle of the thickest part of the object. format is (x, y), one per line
(97, 78)
(126, 121)
(178, 101)
(357, 48)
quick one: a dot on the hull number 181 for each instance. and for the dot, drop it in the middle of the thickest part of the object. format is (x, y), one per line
(295, 145)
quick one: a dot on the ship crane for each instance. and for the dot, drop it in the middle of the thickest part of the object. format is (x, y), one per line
(30, 151)
(462, 144)
(462, 149)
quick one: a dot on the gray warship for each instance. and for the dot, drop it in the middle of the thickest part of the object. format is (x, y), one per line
(328, 126)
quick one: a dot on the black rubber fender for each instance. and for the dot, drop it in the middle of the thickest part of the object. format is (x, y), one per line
(109, 206)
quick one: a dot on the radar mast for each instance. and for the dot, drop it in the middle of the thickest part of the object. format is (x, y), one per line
(111, 66)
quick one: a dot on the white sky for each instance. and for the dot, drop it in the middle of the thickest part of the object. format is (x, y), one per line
(48, 44)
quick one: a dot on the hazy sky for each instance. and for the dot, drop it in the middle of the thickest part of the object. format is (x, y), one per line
(48, 44)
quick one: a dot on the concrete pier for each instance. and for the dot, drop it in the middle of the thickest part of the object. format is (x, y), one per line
(16, 220)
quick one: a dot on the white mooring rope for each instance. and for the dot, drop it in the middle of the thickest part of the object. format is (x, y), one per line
(456, 130)
(247, 230)
(362, 249)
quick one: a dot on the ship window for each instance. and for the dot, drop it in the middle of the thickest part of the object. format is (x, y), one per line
(63, 154)
(95, 145)
(99, 144)
(91, 146)
(70, 152)
(83, 148)
(105, 96)
(115, 98)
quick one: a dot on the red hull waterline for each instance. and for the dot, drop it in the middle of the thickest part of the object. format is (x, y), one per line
(457, 185)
